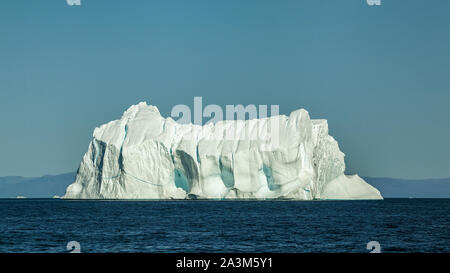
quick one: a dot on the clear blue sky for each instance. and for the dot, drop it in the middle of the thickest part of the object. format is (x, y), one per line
(380, 75)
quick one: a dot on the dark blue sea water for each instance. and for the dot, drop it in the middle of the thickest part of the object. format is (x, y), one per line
(399, 225)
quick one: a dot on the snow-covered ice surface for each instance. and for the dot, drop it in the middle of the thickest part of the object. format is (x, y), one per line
(145, 156)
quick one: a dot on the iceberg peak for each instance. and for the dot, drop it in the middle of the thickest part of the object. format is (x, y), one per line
(134, 109)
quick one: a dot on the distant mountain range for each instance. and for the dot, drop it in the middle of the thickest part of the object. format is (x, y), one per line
(55, 185)
(420, 188)
(45, 186)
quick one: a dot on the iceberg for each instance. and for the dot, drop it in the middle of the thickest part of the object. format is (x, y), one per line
(146, 156)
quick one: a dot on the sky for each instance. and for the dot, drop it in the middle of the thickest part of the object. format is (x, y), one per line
(380, 75)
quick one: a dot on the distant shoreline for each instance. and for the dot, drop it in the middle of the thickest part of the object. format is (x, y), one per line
(48, 186)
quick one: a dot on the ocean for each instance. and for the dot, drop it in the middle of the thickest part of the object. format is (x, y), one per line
(398, 225)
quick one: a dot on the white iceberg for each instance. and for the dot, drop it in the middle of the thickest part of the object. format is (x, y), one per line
(145, 156)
